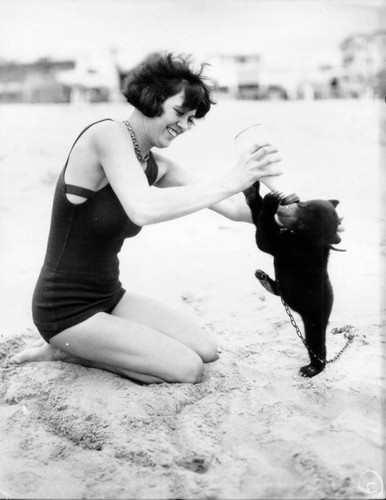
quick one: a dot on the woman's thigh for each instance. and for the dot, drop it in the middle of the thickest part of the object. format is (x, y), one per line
(130, 348)
(168, 321)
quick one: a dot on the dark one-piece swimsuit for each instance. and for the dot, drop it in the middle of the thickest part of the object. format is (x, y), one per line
(80, 274)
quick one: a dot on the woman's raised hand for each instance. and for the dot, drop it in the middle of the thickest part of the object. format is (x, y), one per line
(257, 162)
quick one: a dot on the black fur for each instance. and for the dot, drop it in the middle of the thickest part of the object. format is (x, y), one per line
(300, 246)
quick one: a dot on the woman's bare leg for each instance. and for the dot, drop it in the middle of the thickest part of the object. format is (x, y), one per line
(41, 351)
(140, 331)
(166, 320)
(131, 349)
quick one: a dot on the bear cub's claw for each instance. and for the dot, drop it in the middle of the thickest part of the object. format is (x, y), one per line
(268, 283)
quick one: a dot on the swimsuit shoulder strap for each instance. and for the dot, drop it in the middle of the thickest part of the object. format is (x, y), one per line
(151, 171)
(70, 188)
(83, 131)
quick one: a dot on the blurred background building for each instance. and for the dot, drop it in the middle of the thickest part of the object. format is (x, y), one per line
(361, 74)
(86, 79)
(66, 51)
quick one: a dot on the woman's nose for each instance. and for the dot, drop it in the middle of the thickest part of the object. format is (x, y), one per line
(183, 123)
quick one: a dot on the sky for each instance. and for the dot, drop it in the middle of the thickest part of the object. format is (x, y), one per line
(287, 33)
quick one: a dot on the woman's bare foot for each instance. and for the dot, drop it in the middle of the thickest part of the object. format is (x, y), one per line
(40, 351)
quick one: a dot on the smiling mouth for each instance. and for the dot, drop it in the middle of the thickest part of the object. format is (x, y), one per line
(172, 132)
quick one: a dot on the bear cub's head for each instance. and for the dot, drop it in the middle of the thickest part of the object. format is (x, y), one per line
(317, 220)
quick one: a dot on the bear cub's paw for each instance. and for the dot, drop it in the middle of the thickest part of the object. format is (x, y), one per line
(311, 370)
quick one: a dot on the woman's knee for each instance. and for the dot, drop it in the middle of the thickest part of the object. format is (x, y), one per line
(189, 370)
(208, 350)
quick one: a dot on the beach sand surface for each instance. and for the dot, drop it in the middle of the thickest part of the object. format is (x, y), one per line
(253, 428)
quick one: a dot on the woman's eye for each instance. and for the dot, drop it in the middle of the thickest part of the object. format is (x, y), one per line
(191, 119)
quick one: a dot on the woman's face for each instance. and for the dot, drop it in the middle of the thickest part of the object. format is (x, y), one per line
(174, 121)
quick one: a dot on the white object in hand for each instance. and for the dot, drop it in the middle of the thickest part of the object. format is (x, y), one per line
(258, 134)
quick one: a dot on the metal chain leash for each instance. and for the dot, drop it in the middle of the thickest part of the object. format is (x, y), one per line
(350, 336)
(299, 334)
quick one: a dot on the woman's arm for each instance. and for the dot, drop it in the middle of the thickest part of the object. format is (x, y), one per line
(148, 206)
(233, 208)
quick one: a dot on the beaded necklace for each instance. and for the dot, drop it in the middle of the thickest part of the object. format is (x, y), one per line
(138, 153)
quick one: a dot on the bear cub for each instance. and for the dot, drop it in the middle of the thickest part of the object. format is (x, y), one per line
(299, 235)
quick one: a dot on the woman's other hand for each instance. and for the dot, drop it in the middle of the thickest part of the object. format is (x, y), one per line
(255, 163)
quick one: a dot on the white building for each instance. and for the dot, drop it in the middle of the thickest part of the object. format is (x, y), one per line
(95, 77)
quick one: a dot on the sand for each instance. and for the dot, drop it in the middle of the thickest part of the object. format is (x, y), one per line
(252, 428)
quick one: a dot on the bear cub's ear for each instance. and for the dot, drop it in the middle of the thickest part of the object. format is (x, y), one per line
(335, 239)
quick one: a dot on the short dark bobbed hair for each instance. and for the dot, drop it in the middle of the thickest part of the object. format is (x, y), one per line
(162, 75)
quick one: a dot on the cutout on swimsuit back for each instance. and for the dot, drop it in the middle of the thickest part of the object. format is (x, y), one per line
(76, 194)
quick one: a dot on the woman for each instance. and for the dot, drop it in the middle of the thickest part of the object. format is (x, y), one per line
(103, 196)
